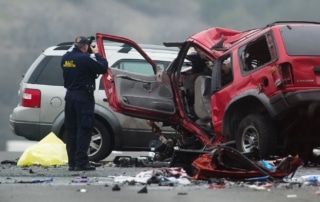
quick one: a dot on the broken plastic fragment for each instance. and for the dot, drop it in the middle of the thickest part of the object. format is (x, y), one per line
(216, 186)
(122, 179)
(255, 187)
(267, 165)
(9, 162)
(36, 180)
(264, 178)
(82, 190)
(80, 180)
(116, 188)
(167, 181)
(311, 178)
(144, 190)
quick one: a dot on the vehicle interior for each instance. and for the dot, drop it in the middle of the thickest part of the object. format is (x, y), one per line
(195, 86)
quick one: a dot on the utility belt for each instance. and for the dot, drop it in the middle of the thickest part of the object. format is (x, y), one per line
(80, 90)
(77, 90)
(87, 91)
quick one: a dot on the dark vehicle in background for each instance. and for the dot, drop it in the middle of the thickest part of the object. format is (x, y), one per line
(259, 89)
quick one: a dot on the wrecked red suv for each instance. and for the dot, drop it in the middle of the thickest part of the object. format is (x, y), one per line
(258, 89)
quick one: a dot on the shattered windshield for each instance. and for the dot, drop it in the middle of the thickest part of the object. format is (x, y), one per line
(301, 40)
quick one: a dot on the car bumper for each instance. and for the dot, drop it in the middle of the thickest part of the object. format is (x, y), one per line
(29, 130)
(286, 101)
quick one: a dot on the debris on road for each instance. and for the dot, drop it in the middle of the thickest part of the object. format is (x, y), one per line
(144, 190)
(9, 162)
(291, 196)
(116, 187)
(256, 187)
(311, 178)
(216, 186)
(161, 176)
(227, 162)
(222, 168)
(142, 161)
(82, 190)
(80, 180)
(50, 179)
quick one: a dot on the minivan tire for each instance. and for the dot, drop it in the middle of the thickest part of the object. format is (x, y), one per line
(101, 142)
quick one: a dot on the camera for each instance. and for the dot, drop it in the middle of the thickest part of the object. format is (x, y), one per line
(90, 38)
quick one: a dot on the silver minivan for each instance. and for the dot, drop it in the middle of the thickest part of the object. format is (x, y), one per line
(41, 107)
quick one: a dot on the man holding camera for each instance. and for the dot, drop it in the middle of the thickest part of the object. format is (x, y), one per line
(79, 73)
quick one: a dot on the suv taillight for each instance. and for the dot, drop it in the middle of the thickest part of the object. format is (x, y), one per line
(286, 73)
(31, 98)
(282, 75)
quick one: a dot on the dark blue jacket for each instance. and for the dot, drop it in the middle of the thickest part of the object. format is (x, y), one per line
(80, 70)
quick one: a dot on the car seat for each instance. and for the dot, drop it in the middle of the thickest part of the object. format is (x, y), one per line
(202, 90)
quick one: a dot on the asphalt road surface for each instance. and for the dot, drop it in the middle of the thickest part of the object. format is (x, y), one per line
(56, 183)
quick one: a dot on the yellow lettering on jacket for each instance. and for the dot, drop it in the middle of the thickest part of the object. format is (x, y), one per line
(69, 63)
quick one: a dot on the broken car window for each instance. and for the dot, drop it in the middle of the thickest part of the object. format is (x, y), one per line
(255, 54)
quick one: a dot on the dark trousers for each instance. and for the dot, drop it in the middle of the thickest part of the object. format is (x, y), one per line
(79, 120)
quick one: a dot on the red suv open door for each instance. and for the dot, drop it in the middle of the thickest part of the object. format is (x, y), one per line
(136, 90)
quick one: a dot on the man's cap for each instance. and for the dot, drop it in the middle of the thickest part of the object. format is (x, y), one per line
(80, 41)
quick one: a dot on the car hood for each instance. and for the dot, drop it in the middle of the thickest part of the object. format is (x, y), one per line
(218, 39)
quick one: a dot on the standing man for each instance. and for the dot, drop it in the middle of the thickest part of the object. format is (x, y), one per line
(79, 73)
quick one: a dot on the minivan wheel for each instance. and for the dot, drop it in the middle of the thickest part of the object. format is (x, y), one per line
(100, 145)
(257, 133)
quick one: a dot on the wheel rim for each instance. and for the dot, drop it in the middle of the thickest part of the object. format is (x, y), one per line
(95, 143)
(250, 139)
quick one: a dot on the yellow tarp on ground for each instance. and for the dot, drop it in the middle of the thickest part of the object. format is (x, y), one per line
(47, 152)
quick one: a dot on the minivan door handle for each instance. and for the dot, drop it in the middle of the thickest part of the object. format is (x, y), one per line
(147, 86)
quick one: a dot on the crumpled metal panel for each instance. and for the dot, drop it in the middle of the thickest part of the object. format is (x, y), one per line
(226, 162)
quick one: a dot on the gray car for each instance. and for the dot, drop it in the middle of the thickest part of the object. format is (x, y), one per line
(41, 107)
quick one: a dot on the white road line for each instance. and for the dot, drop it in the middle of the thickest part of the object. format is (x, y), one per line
(18, 145)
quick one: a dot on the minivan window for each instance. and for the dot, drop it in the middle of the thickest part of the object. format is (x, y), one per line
(301, 40)
(48, 72)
